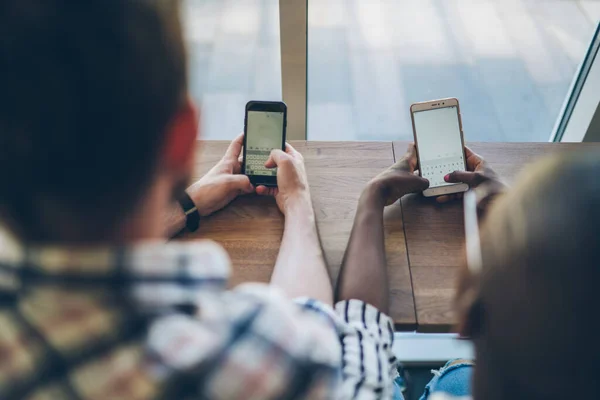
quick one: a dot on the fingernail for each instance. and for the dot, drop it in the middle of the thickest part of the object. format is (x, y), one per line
(447, 178)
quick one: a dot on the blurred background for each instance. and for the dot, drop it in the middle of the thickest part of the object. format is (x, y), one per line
(509, 62)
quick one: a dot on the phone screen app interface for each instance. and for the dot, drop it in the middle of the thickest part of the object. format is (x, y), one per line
(440, 146)
(264, 133)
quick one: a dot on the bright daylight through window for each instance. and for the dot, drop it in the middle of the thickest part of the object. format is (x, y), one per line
(510, 63)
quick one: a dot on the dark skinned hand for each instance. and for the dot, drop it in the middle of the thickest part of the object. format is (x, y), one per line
(478, 172)
(399, 179)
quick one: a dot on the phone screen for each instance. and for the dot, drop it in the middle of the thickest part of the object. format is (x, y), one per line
(263, 134)
(439, 143)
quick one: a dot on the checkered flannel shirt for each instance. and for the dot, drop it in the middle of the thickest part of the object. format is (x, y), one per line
(157, 321)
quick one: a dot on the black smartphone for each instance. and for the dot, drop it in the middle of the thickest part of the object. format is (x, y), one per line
(264, 130)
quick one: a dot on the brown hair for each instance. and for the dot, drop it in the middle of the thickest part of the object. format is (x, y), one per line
(88, 89)
(532, 309)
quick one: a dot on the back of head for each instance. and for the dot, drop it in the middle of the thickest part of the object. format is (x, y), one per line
(88, 89)
(538, 293)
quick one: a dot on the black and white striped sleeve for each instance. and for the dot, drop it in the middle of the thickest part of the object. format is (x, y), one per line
(368, 363)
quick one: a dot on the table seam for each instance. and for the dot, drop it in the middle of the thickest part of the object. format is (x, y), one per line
(412, 286)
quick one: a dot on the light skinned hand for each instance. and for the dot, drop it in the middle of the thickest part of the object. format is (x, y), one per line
(292, 183)
(399, 179)
(478, 172)
(223, 183)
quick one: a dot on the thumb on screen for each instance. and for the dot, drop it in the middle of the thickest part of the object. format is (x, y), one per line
(460, 177)
(274, 158)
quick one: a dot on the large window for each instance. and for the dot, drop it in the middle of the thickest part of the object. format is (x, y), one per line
(234, 57)
(509, 62)
(579, 120)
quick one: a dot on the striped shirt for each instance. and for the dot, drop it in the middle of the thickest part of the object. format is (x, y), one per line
(157, 321)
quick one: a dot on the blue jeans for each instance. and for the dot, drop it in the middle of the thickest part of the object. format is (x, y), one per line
(452, 379)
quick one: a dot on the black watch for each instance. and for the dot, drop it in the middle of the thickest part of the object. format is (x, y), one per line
(192, 216)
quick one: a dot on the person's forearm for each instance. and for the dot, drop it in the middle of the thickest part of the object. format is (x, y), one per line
(174, 220)
(300, 270)
(364, 269)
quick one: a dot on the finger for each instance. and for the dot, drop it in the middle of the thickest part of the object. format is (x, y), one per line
(402, 165)
(290, 149)
(270, 163)
(408, 162)
(275, 158)
(474, 160)
(469, 152)
(241, 183)
(416, 184)
(266, 191)
(237, 168)
(469, 178)
(262, 190)
(235, 147)
(411, 157)
(399, 186)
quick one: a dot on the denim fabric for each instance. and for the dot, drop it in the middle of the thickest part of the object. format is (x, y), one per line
(454, 380)
(398, 391)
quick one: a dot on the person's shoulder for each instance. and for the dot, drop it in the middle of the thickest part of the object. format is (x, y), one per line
(253, 312)
(252, 332)
(196, 258)
(300, 326)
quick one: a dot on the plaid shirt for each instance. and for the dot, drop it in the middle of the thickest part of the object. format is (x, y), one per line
(156, 321)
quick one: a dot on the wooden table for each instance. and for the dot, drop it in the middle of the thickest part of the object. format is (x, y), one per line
(251, 227)
(435, 233)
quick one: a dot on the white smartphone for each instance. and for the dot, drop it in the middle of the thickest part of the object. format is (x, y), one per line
(437, 128)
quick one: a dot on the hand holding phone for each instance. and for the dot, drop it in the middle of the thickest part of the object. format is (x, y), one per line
(292, 186)
(264, 130)
(223, 183)
(437, 128)
(478, 173)
(397, 181)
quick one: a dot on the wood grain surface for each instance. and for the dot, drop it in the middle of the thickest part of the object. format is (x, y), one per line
(251, 227)
(435, 233)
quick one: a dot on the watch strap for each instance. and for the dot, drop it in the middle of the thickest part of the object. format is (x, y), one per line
(192, 216)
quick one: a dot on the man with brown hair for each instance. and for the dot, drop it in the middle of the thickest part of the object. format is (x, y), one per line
(97, 141)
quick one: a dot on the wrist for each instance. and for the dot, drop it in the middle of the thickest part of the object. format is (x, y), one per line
(190, 212)
(372, 197)
(197, 193)
(176, 219)
(299, 203)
